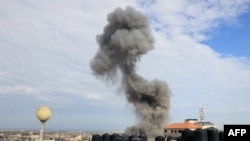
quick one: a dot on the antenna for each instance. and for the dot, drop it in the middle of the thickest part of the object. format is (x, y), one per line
(202, 114)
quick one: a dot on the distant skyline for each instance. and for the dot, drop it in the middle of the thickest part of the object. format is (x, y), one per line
(201, 51)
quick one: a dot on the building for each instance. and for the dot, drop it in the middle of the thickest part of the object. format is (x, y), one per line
(206, 124)
(175, 129)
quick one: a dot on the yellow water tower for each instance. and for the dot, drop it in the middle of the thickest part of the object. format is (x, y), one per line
(43, 113)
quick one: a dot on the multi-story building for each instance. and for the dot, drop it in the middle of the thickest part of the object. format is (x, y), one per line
(175, 129)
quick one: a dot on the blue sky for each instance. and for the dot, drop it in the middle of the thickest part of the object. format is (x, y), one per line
(236, 33)
(201, 50)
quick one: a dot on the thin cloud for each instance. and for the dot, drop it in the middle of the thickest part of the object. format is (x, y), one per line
(194, 18)
(46, 46)
(16, 89)
(196, 73)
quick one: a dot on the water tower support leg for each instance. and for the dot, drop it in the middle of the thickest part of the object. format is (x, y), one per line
(41, 131)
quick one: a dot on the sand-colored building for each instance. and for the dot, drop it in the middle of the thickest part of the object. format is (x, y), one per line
(175, 129)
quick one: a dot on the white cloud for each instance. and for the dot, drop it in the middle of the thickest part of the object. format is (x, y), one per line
(16, 89)
(195, 72)
(46, 46)
(193, 18)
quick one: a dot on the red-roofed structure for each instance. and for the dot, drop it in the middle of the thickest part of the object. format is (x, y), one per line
(185, 125)
(175, 129)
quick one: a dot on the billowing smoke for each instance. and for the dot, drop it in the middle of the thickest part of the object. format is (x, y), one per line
(125, 38)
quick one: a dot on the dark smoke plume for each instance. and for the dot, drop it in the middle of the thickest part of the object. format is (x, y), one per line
(125, 38)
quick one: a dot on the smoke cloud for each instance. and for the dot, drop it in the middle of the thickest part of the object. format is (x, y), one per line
(125, 38)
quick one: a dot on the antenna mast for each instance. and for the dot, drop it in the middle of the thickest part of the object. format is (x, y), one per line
(202, 114)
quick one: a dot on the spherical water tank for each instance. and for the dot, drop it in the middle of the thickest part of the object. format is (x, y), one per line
(43, 113)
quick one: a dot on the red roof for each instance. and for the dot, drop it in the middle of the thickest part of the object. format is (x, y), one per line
(183, 125)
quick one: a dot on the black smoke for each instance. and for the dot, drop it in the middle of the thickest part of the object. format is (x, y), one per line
(125, 38)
